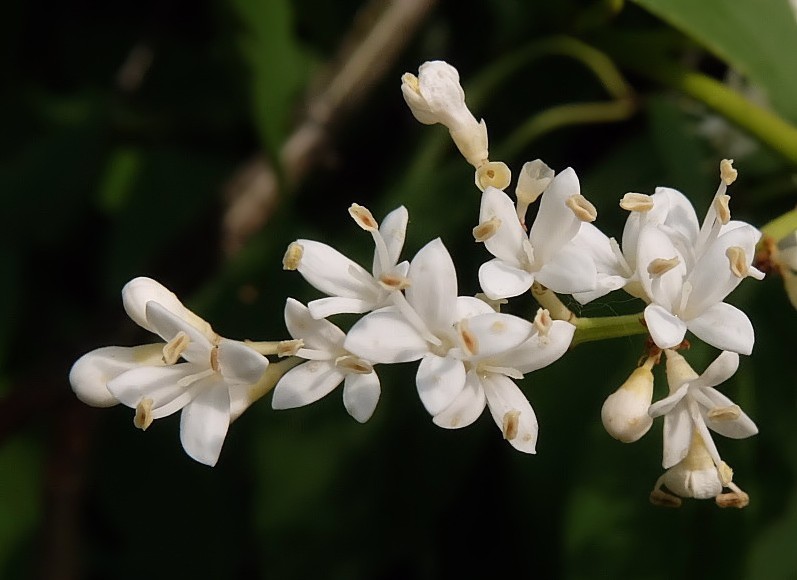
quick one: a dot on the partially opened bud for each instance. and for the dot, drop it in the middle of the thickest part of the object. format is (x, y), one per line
(625, 412)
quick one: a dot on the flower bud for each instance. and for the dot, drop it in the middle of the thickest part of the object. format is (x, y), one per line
(695, 475)
(625, 412)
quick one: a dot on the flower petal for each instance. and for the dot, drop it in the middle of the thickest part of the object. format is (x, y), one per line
(569, 270)
(393, 229)
(499, 279)
(664, 289)
(555, 224)
(503, 398)
(507, 241)
(385, 336)
(205, 420)
(725, 327)
(665, 329)
(440, 379)
(539, 351)
(433, 286)
(738, 428)
(719, 371)
(305, 384)
(677, 436)
(497, 333)
(239, 364)
(317, 334)
(668, 403)
(466, 407)
(468, 306)
(361, 394)
(161, 384)
(168, 325)
(325, 307)
(334, 274)
(90, 374)
(139, 291)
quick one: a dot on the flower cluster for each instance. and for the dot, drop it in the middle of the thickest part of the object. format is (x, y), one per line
(470, 355)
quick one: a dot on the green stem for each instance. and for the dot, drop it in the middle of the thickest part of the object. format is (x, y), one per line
(604, 327)
(762, 123)
(781, 226)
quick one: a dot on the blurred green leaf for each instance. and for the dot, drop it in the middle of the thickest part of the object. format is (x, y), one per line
(20, 498)
(118, 178)
(276, 65)
(757, 37)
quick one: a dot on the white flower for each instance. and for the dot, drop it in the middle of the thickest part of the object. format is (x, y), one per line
(329, 364)
(436, 96)
(467, 350)
(490, 373)
(210, 387)
(694, 405)
(544, 256)
(351, 288)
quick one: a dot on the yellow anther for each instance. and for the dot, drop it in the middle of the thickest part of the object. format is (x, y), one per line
(727, 173)
(493, 174)
(543, 322)
(394, 282)
(486, 230)
(581, 206)
(353, 364)
(729, 413)
(661, 266)
(363, 218)
(175, 347)
(468, 340)
(738, 261)
(511, 424)
(722, 207)
(293, 256)
(143, 416)
(637, 202)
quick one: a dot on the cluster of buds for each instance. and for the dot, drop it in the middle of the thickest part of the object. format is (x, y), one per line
(469, 353)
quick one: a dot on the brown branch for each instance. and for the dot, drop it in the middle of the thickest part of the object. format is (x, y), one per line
(377, 37)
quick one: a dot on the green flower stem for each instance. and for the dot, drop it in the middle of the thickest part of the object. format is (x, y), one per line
(269, 380)
(781, 226)
(761, 123)
(604, 327)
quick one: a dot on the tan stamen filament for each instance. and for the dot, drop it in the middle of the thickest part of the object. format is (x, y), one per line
(511, 424)
(661, 266)
(486, 230)
(730, 413)
(175, 347)
(394, 282)
(143, 416)
(289, 347)
(738, 261)
(470, 344)
(637, 202)
(363, 217)
(293, 256)
(353, 364)
(582, 208)
(727, 173)
(722, 207)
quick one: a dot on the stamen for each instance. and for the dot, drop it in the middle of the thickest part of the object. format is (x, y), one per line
(725, 473)
(353, 364)
(486, 230)
(289, 347)
(393, 282)
(493, 174)
(661, 266)
(729, 413)
(508, 371)
(738, 261)
(736, 499)
(468, 340)
(581, 206)
(293, 256)
(143, 417)
(543, 322)
(722, 207)
(727, 173)
(511, 424)
(363, 217)
(175, 347)
(638, 202)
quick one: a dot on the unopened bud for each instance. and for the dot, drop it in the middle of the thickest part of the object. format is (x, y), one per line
(533, 179)
(293, 256)
(625, 412)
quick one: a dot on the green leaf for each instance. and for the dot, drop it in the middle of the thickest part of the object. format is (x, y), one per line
(20, 503)
(275, 62)
(757, 37)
